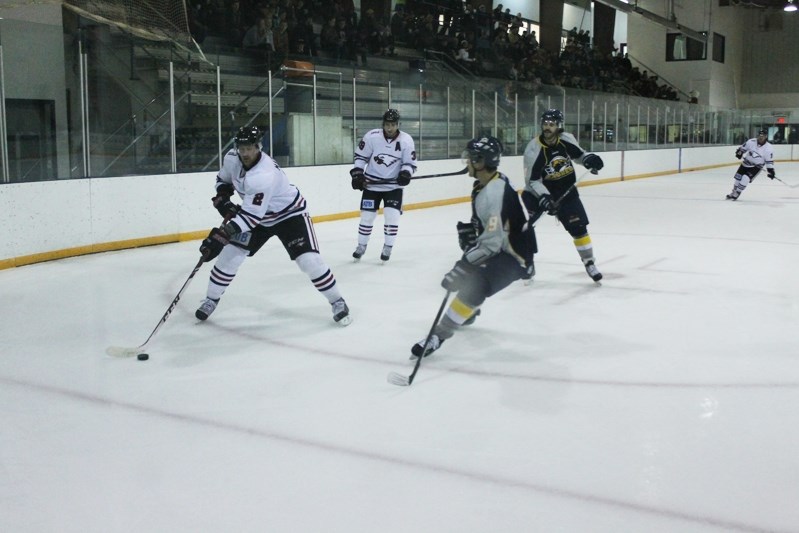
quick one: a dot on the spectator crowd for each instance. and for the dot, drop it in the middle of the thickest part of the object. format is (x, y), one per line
(482, 41)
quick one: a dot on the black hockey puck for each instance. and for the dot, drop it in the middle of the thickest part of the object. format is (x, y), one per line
(143, 356)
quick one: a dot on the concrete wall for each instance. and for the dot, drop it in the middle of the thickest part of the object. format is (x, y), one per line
(56, 219)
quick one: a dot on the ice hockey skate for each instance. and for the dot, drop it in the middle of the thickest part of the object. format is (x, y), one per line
(593, 271)
(529, 274)
(341, 313)
(206, 308)
(732, 196)
(385, 255)
(432, 345)
(359, 251)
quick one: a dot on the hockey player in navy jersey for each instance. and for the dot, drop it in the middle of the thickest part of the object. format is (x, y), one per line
(754, 154)
(497, 244)
(384, 162)
(550, 183)
(270, 206)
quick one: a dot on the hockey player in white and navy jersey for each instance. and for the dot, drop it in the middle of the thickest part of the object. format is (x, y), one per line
(497, 244)
(270, 206)
(384, 162)
(551, 183)
(755, 154)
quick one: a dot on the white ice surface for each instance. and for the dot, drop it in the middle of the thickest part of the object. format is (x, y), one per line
(665, 400)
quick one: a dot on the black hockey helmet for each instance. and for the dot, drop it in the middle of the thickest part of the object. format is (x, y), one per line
(392, 115)
(552, 115)
(248, 135)
(485, 149)
(762, 131)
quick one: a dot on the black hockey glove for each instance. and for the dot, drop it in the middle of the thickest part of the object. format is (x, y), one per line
(213, 244)
(771, 174)
(358, 179)
(545, 203)
(222, 201)
(467, 235)
(739, 153)
(593, 162)
(404, 178)
(454, 279)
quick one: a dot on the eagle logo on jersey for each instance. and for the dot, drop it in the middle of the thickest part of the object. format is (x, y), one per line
(385, 160)
(558, 168)
(753, 159)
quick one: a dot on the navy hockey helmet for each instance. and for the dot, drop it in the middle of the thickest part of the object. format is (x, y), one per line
(552, 115)
(392, 115)
(485, 149)
(248, 135)
(762, 131)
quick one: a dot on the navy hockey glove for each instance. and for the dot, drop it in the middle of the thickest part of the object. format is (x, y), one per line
(593, 162)
(358, 179)
(404, 178)
(771, 174)
(545, 203)
(213, 244)
(739, 153)
(454, 279)
(467, 235)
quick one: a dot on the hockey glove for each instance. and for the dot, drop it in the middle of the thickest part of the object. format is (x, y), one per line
(593, 162)
(213, 244)
(467, 235)
(545, 203)
(739, 153)
(222, 201)
(404, 178)
(358, 179)
(454, 279)
(771, 174)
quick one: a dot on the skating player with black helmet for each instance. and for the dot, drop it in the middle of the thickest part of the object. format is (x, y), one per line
(385, 159)
(496, 243)
(754, 154)
(550, 181)
(270, 206)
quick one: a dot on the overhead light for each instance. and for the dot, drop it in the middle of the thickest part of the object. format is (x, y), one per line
(790, 6)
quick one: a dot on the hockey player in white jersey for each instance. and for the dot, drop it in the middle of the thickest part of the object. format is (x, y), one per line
(270, 206)
(497, 244)
(754, 154)
(550, 183)
(384, 162)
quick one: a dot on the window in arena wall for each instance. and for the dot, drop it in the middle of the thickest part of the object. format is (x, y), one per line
(680, 47)
(718, 48)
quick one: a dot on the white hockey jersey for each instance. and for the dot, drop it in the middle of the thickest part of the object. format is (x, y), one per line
(757, 155)
(382, 159)
(267, 197)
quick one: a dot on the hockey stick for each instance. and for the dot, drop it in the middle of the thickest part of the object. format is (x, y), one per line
(786, 184)
(403, 381)
(563, 196)
(120, 351)
(426, 176)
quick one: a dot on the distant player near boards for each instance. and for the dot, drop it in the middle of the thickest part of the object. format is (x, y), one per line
(550, 183)
(754, 154)
(384, 162)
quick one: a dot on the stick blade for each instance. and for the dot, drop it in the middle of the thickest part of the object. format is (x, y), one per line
(398, 379)
(121, 351)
